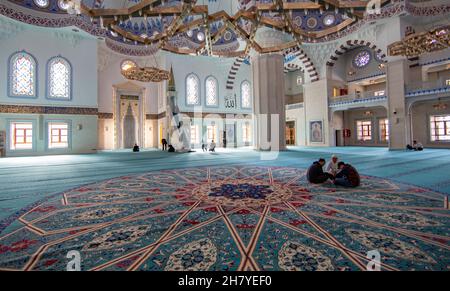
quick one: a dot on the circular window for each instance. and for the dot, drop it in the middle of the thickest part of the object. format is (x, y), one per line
(189, 33)
(311, 22)
(378, 57)
(200, 36)
(126, 65)
(227, 36)
(63, 4)
(329, 20)
(361, 59)
(298, 21)
(42, 3)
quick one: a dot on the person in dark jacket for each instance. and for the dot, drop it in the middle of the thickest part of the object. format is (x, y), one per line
(347, 176)
(164, 144)
(171, 149)
(316, 174)
(136, 148)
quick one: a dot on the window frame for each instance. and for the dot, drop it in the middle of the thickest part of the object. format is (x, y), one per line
(357, 131)
(199, 103)
(47, 85)
(386, 129)
(354, 60)
(246, 126)
(9, 123)
(430, 133)
(69, 135)
(206, 91)
(10, 76)
(214, 126)
(242, 95)
(197, 134)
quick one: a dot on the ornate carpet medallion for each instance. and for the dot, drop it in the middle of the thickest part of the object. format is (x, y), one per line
(230, 218)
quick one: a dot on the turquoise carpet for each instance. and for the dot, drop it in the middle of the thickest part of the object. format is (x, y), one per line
(29, 179)
(228, 210)
(227, 218)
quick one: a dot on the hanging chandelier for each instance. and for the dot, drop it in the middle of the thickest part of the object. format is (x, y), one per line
(440, 105)
(416, 44)
(145, 74)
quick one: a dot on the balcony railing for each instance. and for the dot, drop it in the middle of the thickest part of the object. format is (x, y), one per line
(430, 87)
(358, 97)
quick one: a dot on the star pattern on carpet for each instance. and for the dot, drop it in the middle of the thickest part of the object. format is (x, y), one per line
(231, 218)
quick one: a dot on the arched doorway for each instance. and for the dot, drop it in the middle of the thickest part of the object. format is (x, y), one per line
(129, 115)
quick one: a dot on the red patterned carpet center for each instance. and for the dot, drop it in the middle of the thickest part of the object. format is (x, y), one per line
(230, 218)
(242, 192)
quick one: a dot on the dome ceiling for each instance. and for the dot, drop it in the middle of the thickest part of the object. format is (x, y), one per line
(226, 28)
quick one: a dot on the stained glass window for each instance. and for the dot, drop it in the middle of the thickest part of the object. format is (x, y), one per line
(64, 5)
(329, 19)
(361, 59)
(42, 3)
(246, 99)
(22, 75)
(211, 91)
(59, 78)
(192, 90)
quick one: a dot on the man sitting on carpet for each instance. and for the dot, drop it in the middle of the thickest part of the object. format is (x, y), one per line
(212, 146)
(416, 146)
(315, 173)
(347, 176)
(332, 165)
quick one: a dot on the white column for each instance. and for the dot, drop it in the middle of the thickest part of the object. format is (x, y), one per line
(269, 102)
(396, 79)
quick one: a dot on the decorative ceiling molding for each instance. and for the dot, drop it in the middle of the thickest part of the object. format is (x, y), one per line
(351, 44)
(320, 54)
(39, 18)
(61, 20)
(299, 57)
(426, 10)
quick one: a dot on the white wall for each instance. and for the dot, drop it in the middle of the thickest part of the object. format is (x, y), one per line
(44, 43)
(204, 67)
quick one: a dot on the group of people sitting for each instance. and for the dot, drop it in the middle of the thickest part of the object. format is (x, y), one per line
(338, 172)
(416, 146)
(212, 147)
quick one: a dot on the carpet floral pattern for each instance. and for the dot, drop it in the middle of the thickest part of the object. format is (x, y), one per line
(230, 218)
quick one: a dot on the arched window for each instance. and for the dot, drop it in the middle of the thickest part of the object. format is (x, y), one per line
(59, 78)
(192, 90)
(22, 75)
(246, 97)
(211, 89)
(42, 3)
